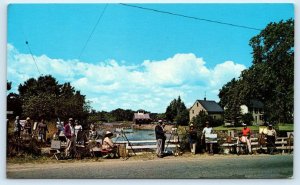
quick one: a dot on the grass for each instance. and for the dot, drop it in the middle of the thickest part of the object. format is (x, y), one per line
(46, 159)
(280, 127)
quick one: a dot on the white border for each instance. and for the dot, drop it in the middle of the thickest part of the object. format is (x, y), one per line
(3, 34)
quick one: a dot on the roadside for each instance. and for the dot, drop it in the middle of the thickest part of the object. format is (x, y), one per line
(186, 166)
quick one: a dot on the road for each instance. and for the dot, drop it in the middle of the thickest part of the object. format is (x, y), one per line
(199, 166)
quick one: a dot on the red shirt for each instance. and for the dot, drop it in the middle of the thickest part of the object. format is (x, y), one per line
(246, 131)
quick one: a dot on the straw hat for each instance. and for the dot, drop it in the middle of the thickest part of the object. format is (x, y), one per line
(28, 118)
(108, 134)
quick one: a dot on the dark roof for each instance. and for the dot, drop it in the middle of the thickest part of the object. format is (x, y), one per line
(141, 116)
(211, 106)
(256, 104)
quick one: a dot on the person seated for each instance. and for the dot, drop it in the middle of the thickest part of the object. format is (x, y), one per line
(108, 145)
(244, 138)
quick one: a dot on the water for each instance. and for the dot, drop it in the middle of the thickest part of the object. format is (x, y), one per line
(136, 135)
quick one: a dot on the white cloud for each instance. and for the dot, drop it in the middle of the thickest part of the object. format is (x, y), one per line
(111, 84)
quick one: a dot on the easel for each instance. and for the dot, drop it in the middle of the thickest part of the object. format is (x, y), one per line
(122, 134)
(174, 135)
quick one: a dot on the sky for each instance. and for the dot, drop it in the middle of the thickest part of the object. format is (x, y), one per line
(135, 59)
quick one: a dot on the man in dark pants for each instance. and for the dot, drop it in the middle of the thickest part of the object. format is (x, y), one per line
(271, 138)
(160, 137)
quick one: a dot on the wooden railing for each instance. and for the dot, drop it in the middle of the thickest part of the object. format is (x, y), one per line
(144, 144)
(285, 144)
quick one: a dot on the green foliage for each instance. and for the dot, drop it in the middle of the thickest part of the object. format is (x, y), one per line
(247, 118)
(271, 77)
(230, 98)
(122, 115)
(45, 98)
(199, 120)
(177, 112)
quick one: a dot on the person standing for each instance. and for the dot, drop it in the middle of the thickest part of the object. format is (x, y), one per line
(193, 139)
(70, 135)
(271, 138)
(164, 139)
(205, 132)
(78, 129)
(160, 136)
(27, 126)
(17, 127)
(42, 130)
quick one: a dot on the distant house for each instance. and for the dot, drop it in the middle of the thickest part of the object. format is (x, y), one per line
(256, 108)
(141, 118)
(210, 107)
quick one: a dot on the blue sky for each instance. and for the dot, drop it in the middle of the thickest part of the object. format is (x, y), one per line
(136, 58)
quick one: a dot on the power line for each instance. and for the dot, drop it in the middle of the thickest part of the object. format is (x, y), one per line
(94, 28)
(32, 56)
(27, 43)
(189, 17)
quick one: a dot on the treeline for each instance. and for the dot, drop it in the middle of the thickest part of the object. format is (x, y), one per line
(45, 98)
(270, 79)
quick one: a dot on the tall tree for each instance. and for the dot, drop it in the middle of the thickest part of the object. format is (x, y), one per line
(45, 97)
(270, 79)
(273, 54)
(177, 112)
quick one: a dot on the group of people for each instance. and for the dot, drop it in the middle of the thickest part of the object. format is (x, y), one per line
(27, 128)
(269, 133)
(160, 134)
(243, 139)
(193, 138)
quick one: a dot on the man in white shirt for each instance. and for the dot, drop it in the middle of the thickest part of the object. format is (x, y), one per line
(78, 129)
(271, 138)
(207, 130)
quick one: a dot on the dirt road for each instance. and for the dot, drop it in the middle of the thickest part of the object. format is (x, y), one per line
(199, 166)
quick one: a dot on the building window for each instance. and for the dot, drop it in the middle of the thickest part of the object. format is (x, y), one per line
(193, 111)
(197, 104)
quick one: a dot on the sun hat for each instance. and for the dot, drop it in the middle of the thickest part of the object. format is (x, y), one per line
(244, 124)
(28, 118)
(108, 134)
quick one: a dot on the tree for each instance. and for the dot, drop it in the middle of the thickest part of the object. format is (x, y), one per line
(45, 97)
(199, 120)
(231, 100)
(247, 118)
(177, 112)
(270, 79)
(273, 55)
